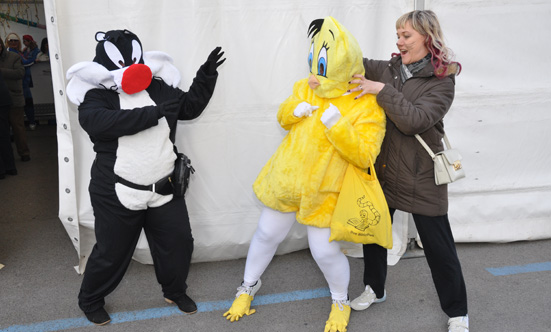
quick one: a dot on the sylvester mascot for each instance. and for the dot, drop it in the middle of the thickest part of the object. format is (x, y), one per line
(327, 129)
(129, 104)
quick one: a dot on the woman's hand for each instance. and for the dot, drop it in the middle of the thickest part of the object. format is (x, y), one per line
(365, 86)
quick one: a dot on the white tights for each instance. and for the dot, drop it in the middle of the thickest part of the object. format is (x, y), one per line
(272, 229)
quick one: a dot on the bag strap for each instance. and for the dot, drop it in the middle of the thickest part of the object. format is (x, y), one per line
(446, 141)
(372, 174)
(448, 145)
(425, 146)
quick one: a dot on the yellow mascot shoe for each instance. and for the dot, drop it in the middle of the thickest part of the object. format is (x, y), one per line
(339, 316)
(242, 304)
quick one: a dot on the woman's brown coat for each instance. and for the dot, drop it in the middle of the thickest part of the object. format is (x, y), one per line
(404, 168)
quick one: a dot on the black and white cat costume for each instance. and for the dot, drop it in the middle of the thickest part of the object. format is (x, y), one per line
(129, 104)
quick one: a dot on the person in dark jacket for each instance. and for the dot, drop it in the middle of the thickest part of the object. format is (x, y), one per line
(13, 71)
(7, 162)
(416, 89)
(129, 104)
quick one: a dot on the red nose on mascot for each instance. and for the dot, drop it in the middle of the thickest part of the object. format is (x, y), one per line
(136, 78)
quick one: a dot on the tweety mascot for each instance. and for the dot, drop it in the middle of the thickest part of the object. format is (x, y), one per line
(327, 129)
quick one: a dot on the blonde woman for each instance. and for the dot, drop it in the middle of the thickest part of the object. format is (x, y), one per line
(13, 43)
(416, 89)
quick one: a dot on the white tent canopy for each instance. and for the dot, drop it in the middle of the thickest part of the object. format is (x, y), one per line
(498, 119)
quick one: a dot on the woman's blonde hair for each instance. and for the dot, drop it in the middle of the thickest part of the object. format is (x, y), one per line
(426, 23)
(11, 35)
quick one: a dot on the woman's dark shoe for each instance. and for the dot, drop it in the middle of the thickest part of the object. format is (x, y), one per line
(25, 158)
(185, 304)
(2, 176)
(11, 172)
(98, 317)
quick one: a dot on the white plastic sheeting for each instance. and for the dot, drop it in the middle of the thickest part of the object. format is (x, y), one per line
(498, 120)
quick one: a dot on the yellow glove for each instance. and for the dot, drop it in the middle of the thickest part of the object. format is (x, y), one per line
(241, 306)
(338, 318)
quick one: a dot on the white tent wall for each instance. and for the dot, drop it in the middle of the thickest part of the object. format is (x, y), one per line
(266, 47)
(500, 118)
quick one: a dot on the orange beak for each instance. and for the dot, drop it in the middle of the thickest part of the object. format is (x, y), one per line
(313, 82)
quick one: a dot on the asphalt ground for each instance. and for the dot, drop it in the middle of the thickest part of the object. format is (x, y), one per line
(508, 284)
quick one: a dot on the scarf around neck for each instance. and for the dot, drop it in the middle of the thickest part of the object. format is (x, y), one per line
(407, 71)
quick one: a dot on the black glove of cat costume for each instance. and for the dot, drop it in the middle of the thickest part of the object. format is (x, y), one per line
(168, 108)
(213, 61)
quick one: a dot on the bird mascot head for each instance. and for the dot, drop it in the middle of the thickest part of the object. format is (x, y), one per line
(334, 57)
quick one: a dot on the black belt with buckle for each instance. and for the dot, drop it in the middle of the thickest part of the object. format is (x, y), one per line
(161, 187)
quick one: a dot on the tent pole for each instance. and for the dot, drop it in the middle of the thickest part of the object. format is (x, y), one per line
(412, 249)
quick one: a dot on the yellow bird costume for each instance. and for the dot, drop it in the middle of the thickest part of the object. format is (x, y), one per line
(306, 172)
(328, 129)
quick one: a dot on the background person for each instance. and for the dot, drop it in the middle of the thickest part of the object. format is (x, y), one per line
(28, 57)
(416, 89)
(44, 54)
(13, 43)
(13, 71)
(7, 162)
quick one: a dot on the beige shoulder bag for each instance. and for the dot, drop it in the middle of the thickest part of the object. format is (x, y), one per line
(447, 164)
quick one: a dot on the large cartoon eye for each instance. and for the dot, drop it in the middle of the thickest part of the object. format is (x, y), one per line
(136, 51)
(114, 54)
(322, 62)
(311, 57)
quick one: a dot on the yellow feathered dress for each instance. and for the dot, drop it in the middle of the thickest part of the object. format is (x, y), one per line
(306, 172)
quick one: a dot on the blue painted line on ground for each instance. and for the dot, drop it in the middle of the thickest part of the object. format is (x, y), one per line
(509, 270)
(132, 316)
